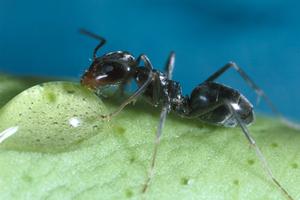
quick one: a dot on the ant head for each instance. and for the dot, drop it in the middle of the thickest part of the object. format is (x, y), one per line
(109, 69)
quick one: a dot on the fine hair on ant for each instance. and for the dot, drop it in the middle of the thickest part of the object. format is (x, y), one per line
(210, 102)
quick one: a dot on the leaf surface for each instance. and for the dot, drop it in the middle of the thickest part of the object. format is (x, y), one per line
(63, 150)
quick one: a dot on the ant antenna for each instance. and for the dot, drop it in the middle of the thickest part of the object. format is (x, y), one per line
(258, 152)
(95, 36)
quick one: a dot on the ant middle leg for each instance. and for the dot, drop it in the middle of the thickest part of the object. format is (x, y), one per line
(138, 92)
(260, 93)
(97, 37)
(162, 119)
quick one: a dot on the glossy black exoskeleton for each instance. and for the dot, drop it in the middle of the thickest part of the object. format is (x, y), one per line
(207, 101)
(210, 102)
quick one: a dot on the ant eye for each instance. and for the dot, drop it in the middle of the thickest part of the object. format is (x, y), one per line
(110, 72)
(107, 69)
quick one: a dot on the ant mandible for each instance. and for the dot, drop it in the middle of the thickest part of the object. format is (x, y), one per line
(210, 102)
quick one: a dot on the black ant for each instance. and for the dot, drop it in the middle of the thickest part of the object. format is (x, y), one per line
(210, 102)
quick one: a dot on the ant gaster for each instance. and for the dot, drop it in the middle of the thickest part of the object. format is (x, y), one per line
(210, 102)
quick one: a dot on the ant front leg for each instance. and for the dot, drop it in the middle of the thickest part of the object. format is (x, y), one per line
(170, 65)
(93, 35)
(138, 92)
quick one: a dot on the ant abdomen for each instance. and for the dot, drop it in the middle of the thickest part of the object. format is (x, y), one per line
(209, 102)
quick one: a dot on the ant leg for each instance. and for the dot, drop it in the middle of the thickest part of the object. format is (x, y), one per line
(260, 93)
(163, 115)
(93, 35)
(248, 80)
(155, 82)
(258, 152)
(162, 119)
(132, 98)
(146, 61)
(138, 92)
(170, 65)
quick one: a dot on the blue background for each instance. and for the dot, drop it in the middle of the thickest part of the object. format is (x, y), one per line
(41, 38)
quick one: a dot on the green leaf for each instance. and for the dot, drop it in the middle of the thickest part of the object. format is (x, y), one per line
(61, 149)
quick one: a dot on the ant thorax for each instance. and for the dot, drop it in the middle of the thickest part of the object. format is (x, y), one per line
(178, 103)
(162, 90)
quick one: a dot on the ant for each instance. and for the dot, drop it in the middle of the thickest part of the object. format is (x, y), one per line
(210, 102)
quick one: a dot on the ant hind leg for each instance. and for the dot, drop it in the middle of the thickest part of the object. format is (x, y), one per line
(258, 152)
(260, 93)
